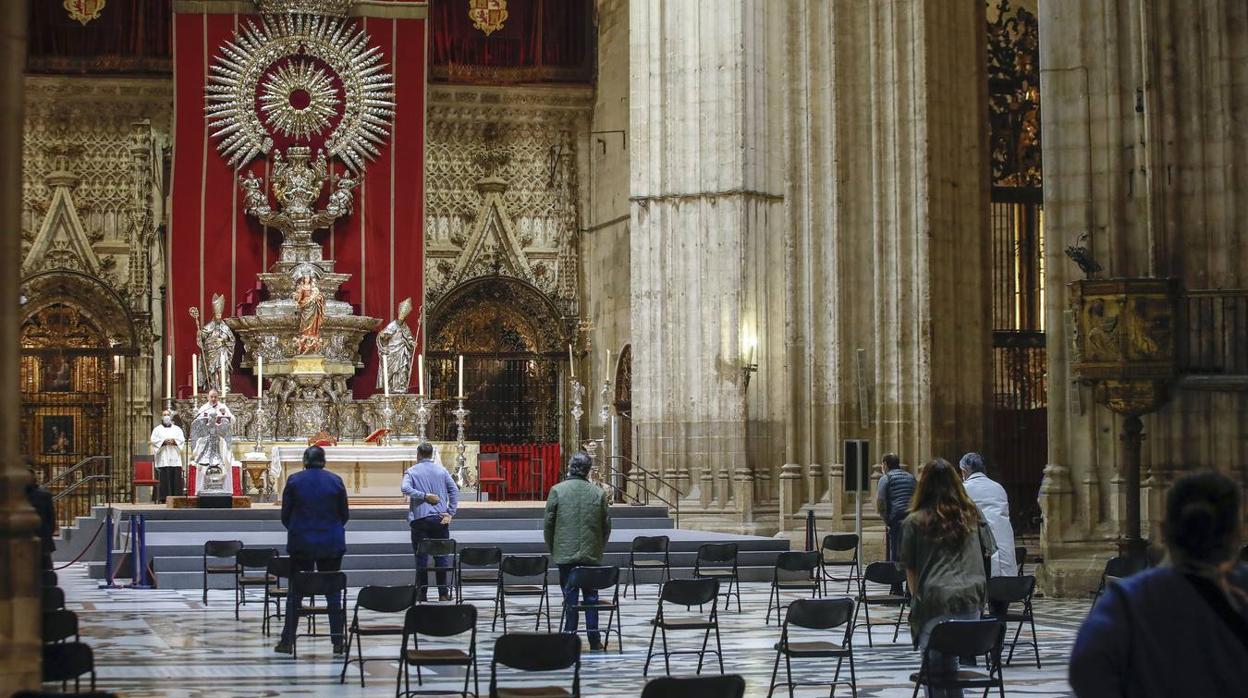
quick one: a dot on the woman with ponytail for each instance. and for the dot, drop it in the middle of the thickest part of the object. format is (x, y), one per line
(945, 546)
(1178, 629)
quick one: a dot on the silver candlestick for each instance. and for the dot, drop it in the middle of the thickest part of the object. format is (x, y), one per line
(387, 417)
(604, 420)
(578, 394)
(461, 461)
(422, 417)
(259, 419)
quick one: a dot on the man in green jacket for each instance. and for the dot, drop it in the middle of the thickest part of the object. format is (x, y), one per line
(577, 528)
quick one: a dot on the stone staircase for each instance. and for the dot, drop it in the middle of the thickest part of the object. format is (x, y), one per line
(379, 547)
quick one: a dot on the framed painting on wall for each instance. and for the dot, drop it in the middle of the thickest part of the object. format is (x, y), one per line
(57, 434)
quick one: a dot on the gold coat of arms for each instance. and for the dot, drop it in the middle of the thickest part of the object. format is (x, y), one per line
(84, 11)
(487, 15)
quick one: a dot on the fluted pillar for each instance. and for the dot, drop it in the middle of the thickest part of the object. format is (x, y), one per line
(20, 653)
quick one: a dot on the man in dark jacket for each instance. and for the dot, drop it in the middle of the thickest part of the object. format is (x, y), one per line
(314, 512)
(892, 501)
(577, 527)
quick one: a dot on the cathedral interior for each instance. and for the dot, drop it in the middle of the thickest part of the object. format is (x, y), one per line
(714, 241)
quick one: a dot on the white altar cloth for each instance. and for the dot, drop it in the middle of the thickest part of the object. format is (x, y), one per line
(368, 471)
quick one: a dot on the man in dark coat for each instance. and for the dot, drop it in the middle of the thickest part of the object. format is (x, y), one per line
(576, 529)
(892, 501)
(314, 512)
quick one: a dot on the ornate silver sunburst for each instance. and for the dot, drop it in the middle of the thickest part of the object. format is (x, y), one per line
(243, 74)
(298, 99)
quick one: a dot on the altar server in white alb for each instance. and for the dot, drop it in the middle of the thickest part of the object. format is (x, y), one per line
(994, 505)
(213, 450)
(167, 440)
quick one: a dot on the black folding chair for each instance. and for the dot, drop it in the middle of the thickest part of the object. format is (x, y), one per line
(434, 548)
(68, 661)
(219, 549)
(478, 567)
(53, 598)
(1003, 591)
(1020, 558)
(376, 599)
(963, 638)
(794, 571)
(524, 567)
(537, 652)
(887, 574)
(719, 561)
(832, 554)
(317, 584)
(279, 568)
(599, 579)
(820, 615)
(648, 545)
(250, 559)
(687, 593)
(442, 621)
(1118, 568)
(59, 626)
(725, 686)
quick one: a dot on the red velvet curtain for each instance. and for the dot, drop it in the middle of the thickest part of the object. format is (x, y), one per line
(128, 36)
(523, 482)
(540, 41)
(215, 248)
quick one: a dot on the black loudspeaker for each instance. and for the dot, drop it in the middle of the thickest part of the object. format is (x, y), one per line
(857, 465)
(215, 501)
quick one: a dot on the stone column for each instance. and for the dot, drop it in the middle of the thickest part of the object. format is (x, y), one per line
(705, 196)
(1142, 142)
(20, 644)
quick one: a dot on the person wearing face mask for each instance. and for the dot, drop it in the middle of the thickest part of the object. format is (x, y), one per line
(167, 439)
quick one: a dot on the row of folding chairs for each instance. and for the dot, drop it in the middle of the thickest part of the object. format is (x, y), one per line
(65, 657)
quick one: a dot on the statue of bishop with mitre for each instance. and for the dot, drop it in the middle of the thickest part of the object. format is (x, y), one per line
(395, 342)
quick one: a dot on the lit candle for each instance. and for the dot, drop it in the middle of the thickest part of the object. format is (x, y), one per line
(571, 362)
(385, 373)
(420, 374)
(168, 376)
(607, 371)
(461, 375)
(194, 375)
(224, 388)
(260, 377)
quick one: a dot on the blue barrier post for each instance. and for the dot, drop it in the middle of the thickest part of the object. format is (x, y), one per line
(108, 551)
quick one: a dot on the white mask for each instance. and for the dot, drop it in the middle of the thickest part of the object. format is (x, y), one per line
(166, 420)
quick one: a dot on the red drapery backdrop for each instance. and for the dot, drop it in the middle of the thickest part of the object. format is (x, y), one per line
(129, 36)
(520, 484)
(214, 248)
(540, 41)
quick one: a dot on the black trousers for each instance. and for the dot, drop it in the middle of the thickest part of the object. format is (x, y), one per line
(429, 527)
(894, 549)
(170, 483)
(337, 615)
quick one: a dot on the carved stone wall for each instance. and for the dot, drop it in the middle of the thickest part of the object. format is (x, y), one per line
(94, 163)
(503, 195)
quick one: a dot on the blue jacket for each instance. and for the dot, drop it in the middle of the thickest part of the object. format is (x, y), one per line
(314, 512)
(1155, 635)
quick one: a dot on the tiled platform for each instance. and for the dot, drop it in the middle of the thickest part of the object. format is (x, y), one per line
(166, 643)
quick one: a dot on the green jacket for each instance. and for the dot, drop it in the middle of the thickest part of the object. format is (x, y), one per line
(577, 522)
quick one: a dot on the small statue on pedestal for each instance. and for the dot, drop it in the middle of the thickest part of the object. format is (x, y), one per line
(216, 345)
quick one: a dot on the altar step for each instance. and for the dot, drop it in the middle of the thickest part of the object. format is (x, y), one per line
(379, 546)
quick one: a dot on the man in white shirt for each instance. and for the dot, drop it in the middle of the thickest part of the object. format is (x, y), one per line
(167, 439)
(993, 503)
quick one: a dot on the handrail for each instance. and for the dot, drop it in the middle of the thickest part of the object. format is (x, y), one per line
(643, 484)
(80, 483)
(76, 467)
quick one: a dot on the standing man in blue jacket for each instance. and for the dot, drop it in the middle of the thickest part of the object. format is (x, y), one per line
(315, 514)
(433, 500)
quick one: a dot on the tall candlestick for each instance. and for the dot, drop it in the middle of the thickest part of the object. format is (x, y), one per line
(194, 375)
(260, 377)
(224, 389)
(571, 362)
(461, 375)
(168, 376)
(385, 373)
(420, 374)
(607, 371)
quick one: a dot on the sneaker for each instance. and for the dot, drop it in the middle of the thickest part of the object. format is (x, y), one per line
(340, 648)
(595, 645)
(284, 648)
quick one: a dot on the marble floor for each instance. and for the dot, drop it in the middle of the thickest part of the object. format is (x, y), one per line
(167, 643)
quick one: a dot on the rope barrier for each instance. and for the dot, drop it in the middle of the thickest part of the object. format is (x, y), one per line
(86, 548)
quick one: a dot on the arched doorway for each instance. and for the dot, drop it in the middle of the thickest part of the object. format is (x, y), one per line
(514, 345)
(78, 345)
(623, 404)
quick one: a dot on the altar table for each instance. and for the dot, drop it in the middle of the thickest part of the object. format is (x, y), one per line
(370, 472)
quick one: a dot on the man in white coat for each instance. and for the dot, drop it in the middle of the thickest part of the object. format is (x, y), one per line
(992, 501)
(167, 439)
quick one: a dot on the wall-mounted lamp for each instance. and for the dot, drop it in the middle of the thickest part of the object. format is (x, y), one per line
(749, 366)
